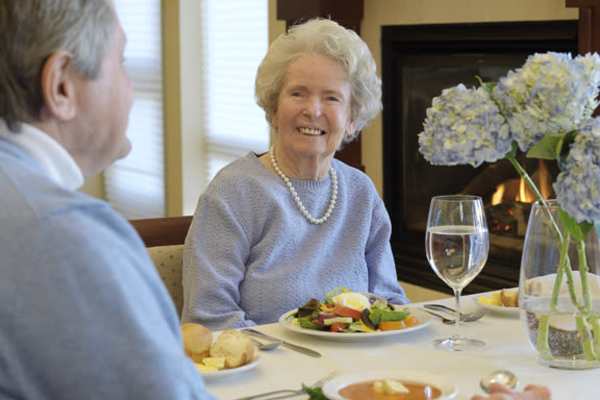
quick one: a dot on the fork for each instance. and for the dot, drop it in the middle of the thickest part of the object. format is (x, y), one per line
(445, 320)
(448, 321)
(287, 393)
(464, 317)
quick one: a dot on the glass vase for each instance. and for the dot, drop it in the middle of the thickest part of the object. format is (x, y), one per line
(559, 291)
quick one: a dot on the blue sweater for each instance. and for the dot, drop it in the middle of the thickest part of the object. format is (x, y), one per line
(83, 313)
(250, 255)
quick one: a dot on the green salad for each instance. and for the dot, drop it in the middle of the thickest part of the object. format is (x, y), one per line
(345, 311)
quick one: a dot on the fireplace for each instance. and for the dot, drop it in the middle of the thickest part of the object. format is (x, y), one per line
(418, 63)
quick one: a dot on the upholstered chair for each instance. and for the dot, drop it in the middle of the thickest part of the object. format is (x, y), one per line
(164, 238)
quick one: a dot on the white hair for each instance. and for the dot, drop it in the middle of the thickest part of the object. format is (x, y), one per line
(327, 38)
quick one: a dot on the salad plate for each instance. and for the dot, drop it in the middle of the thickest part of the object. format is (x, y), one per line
(287, 321)
(208, 375)
(443, 389)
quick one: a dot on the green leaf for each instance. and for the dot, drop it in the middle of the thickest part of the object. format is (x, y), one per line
(546, 149)
(586, 227)
(314, 393)
(375, 316)
(393, 315)
(306, 323)
(562, 148)
(488, 86)
(571, 226)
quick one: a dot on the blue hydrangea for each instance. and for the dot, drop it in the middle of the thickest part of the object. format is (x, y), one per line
(550, 94)
(577, 187)
(591, 69)
(464, 126)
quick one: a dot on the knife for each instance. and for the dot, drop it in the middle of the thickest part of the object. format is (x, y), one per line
(291, 346)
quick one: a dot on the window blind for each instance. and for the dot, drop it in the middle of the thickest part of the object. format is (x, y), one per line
(135, 185)
(234, 40)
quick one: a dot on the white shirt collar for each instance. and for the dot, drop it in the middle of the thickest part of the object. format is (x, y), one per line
(56, 162)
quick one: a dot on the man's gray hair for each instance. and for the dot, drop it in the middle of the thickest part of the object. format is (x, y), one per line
(327, 38)
(31, 31)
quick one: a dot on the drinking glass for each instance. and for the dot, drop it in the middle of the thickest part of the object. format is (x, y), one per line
(457, 245)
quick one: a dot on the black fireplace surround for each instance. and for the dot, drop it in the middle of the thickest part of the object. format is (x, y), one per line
(418, 62)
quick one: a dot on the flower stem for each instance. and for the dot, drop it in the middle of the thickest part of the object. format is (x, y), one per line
(523, 173)
(591, 341)
(542, 344)
(563, 251)
(567, 262)
(590, 347)
(583, 275)
(595, 323)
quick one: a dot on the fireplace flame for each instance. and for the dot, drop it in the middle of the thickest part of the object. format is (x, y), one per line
(517, 190)
(498, 194)
(525, 194)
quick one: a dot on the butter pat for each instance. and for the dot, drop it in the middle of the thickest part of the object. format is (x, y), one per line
(493, 299)
(214, 362)
(389, 386)
(205, 368)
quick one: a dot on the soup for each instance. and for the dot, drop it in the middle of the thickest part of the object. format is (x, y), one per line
(365, 391)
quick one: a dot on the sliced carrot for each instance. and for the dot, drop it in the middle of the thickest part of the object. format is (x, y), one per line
(411, 320)
(391, 325)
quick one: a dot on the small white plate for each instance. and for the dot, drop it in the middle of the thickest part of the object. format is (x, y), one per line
(331, 389)
(286, 322)
(509, 311)
(230, 371)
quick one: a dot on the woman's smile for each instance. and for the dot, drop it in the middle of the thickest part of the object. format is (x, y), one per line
(311, 131)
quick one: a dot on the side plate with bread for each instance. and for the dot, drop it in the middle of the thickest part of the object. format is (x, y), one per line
(216, 355)
(505, 301)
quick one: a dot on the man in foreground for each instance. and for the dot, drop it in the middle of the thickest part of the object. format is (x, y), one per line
(83, 313)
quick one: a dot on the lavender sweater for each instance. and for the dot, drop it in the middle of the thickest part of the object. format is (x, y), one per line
(250, 255)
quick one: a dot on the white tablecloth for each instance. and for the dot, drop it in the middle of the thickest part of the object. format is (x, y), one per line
(507, 348)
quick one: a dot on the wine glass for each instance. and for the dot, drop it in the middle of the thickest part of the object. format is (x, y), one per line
(457, 245)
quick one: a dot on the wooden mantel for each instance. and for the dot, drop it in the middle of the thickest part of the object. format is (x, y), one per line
(347, 13)
(589, 24)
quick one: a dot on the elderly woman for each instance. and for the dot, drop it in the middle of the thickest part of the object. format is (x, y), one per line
(272, 231)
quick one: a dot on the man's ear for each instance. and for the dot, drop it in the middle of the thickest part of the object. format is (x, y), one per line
(58, 86)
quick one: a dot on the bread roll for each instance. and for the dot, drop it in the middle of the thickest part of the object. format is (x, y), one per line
(197, 340)
(509, 298)
(236, 347)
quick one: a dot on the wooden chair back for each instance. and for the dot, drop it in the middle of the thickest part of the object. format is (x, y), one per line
(162, 231)
(164, 238)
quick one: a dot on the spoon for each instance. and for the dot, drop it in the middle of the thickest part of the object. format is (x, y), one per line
(266, 346)
(502, 376)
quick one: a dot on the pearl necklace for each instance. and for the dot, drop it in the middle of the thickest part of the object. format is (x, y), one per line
(303, 210)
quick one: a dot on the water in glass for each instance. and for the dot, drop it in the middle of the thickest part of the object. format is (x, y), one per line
(457, 245)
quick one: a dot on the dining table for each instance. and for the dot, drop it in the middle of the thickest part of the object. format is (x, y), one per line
(507, 348)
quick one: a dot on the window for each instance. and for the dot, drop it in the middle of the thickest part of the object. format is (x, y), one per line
(135, 185)
(235, 39)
